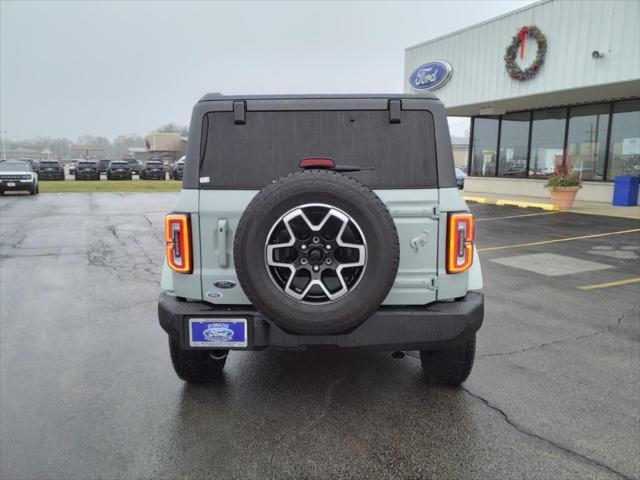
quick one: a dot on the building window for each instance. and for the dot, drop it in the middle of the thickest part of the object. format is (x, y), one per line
(624, 146)
(547, 141)
(484, 146)
(587, 141)
(514, 145)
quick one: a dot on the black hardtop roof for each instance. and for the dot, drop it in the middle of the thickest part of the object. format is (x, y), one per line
(326, 96)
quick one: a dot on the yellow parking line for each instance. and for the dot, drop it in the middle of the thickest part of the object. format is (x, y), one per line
(475, 199)
(611, 284)
(557, 240)
(513, 216)
(543, 206)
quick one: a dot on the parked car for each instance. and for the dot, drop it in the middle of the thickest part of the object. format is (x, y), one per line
(72, 166)
(134, 166)
(51, 170)
(175, 173)
(32, 163)
(16, 175)
(152, 170)
(460, 176)
(119, 170)
(103, 165)
(87, 170)
(282, 250)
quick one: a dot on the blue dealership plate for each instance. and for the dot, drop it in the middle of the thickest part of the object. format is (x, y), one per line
(218, 332)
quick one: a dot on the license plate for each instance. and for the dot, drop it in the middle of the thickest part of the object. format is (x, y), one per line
(120, 170)
(218, 332)
(11, 184)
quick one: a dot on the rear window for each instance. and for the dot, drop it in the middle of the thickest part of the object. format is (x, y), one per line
(49, 164)
(154, 164)
(271, 144)
(86, 164)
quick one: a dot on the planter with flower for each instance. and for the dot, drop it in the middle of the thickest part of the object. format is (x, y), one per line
(563, 187)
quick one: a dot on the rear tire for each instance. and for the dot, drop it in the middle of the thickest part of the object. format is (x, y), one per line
(197, 366)
(451, 366)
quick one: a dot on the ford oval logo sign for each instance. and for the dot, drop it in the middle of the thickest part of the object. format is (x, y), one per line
(430, 76)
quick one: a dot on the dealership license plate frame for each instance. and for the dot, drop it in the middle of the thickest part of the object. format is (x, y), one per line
(235, 324)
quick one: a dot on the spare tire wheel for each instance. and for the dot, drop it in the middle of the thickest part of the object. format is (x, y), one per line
(316, 252)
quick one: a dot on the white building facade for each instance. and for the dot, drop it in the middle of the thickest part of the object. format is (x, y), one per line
(553, 84)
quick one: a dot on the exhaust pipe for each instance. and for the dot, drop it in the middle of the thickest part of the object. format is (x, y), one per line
(397, 355)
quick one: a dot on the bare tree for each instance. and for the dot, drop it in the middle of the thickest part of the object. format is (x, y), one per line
(173, 128)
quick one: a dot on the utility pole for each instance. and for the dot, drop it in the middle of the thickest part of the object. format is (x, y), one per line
(4, 152)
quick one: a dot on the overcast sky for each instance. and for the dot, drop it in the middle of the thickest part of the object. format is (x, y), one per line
(70, 68)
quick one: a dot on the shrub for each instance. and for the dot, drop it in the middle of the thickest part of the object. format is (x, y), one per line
(562, 178)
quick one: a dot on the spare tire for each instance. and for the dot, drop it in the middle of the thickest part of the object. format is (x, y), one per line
(316, 252)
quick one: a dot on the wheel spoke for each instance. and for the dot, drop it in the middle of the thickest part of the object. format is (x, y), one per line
(312, 258)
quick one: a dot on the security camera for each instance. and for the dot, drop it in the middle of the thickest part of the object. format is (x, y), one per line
(596, 55)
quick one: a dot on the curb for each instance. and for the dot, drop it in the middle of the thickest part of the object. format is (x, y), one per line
(487, 201)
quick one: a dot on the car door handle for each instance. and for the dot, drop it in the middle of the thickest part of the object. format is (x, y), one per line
(223, 260)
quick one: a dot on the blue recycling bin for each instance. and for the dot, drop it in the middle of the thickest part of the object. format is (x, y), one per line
(625, 191)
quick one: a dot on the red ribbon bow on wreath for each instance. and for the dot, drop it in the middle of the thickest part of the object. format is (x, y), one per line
(523, 39)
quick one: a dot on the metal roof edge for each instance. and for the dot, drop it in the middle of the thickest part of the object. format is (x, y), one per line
(479, 24)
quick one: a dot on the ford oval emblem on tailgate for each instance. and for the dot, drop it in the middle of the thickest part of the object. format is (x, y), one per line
(224, 284)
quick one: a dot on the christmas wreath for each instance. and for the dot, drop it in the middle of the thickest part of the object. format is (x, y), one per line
(518, 43)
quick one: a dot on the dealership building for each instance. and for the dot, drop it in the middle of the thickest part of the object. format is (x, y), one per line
(554, 83)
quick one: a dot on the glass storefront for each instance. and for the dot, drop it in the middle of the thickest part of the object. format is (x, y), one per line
(624, 146)
(547, 141)
(587, 141)
(484, 147)
(514, 145)
(597, 142)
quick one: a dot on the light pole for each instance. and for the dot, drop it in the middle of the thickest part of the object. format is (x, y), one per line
(4, 153)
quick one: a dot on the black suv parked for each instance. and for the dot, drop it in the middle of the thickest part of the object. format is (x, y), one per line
(152, 170)
(119, 170)
(177, 169)
(86, 170)
(51, 170)
(134, 166)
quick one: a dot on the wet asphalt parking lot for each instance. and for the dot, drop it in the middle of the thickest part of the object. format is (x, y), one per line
(87, 389)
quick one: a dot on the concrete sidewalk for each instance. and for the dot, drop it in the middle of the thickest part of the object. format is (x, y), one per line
(591, 208)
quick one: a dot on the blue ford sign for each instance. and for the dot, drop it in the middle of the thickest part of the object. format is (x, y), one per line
(430, 76)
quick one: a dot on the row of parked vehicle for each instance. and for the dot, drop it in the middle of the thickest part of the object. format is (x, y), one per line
(24, 174)
(152, 169)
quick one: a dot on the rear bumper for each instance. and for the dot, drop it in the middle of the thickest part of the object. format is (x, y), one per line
(19, 185)
(154, 175)
(87, 176)
(51, 176)
(430, 327)
(120, 175)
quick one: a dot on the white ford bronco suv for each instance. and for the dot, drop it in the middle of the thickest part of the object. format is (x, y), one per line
(320, 220)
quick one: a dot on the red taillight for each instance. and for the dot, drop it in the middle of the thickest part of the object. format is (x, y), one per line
(459, 242)
(317, 163)
(178, 242)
